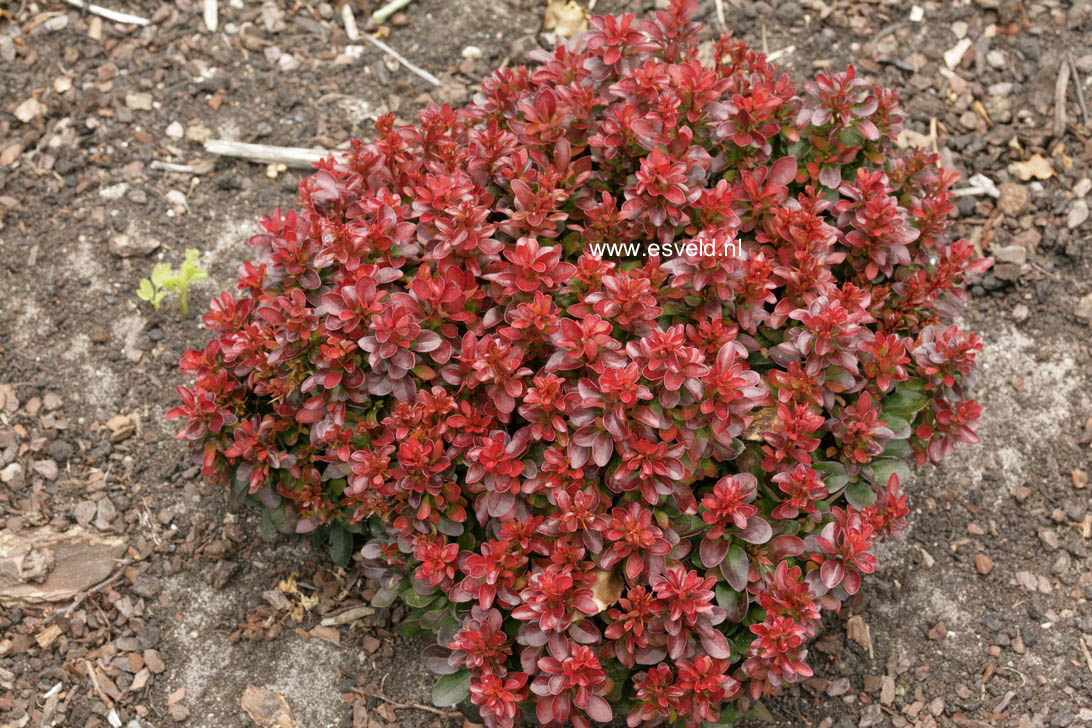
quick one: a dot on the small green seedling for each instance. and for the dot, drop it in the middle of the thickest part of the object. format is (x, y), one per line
(152, 289)
(163, 279)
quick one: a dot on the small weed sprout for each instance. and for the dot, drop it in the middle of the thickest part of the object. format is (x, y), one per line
(152, 289)
(163, 278)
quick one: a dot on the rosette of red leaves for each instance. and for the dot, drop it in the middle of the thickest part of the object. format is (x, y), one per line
(612, 484)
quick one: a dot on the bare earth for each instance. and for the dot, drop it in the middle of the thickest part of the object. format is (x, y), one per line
(979, 615)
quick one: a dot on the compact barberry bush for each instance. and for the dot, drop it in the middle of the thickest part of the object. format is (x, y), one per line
(610, 486)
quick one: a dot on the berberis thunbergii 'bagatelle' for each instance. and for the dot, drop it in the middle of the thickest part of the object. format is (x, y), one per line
(612, 483)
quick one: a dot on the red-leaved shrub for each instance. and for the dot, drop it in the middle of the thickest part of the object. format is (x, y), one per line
(619, 367)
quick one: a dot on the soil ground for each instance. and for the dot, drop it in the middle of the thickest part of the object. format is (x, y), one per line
(981, 616)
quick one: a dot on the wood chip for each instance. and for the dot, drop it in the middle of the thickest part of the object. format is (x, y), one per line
(327, 634)
(266, 708)
(48, 636)
(858, 631)
(348, 616)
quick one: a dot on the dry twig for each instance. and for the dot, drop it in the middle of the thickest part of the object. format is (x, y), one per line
(349, 20)
(1060, 87)
(720, 16)
(299, 157)
(380, 15)
(109, 14)
(1084, 651)
(1080, 90)
(95, 684)
(211, 15)
(172, 167)
(401, 59)
(412, 706)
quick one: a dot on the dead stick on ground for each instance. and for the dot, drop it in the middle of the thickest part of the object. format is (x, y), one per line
(349, 20)
(380, 15)
(720, 16)
(1084, 651)
(95, 684)
(1080, 90)
(211, 15)
(109, 14)
(299, 157)
(1059, 99)
(398, 57)
(414, 706)
(172, 167)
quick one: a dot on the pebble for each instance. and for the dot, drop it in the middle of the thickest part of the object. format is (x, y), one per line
(996, 59)
(1084, 308)
(983, 564)
(153, 661)
(140, 101)
(1078, 213)
(288, 63)
(959, 29)
(85, 512)
(838, 687)
(887, 690)
(47, 469)
(175, 130)
(1083, 187)
(1013, 199)
(104, 513)
(472, 52)
(954, 55)
(114, 192)
(937, 631)
(1049, 538)
(60, 450)
(1017, 254)
(1020, 313)
(129, 246)
(1061, 564)
(29, 110)
(872, 715)
(198, 133)
(7, 49)
(12, 475)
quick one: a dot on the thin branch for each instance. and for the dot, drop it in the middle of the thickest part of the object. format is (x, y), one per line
(1080, 91)
(172, 167)
(299, 157)
(1059, 99)
(720, 16)
(349, 19)
(412, 706)
(381, 15)
(1084, 651)
(109, 14)
(95, 684)
(211, 15)
(398, 57)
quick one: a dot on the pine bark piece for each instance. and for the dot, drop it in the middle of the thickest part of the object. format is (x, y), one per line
(44, 565)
